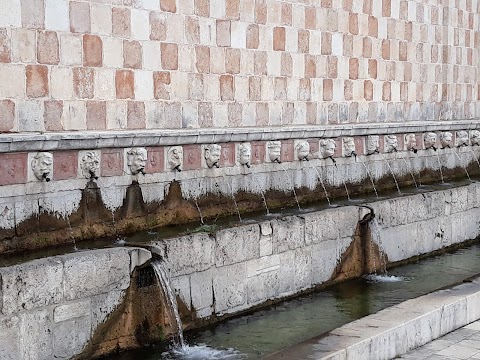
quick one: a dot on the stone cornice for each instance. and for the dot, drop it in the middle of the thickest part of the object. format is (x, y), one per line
(79, 140)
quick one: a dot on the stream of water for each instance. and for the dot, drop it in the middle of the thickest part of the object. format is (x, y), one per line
(290, 322)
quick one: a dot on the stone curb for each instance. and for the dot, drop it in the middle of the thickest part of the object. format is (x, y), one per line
(120, 139)
(396, 330)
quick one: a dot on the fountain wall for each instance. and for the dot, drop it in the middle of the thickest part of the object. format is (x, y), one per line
(86, 82)
(241, 268)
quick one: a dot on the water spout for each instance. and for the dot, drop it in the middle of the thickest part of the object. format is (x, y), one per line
(321, 183)
(46, 177)
(461, 164)
(178, 168)
(248, 165)
(393, 174)
(277, 160)
(371, 178)
(333, 159)
(92, 174)
(293, 186)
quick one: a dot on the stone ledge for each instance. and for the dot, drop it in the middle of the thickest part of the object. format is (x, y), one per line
(395, 330)
(126, 138)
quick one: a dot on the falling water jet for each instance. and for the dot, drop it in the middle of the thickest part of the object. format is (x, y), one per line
(409, 168)
(164, 281)
(371, 178)
(255, 179)
(233, 197)
(321, 182)
(393, 174)
(70, 229)
(199, 211)
(292, 185)
(474, 156)
(344, 184)
(461, 164)
(439, 165)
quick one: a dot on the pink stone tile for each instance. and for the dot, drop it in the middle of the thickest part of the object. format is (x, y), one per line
(228, 155)
(13, 168)
(258, 152)
(65, 165)
(359, 145)
(155, 160)
(112, 162)
(287, 151)
(314, 146)
(338, 147)
(192, 157)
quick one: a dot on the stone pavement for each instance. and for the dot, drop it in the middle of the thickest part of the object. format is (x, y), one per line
(463, 343)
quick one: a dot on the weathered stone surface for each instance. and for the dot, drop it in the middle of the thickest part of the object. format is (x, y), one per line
(202, 292)
(181, 287)
(10, 338)
(103, 305)
(237, 244)
(187, 254)
(138, 257)
(69, 337)
(36, 342)
(303, 269)
(32, 285)
(71, 311)
(324, 225)
(288, 234)
(229, 288)
(96, 272)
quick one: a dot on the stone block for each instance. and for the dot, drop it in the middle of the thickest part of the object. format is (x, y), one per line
(453, 316)
(70, 337)
(31, 285)
(10, 338)
(36, 341)
(237, 244)
(263, 286)
(288, 233)
(181, 288)
(303, 269)
(71, 311)
(187, 254)
(96, 272)
(201, 284)
(287, 273)
(102, 305)
(325, 257)
(321, 226)
(229, 288)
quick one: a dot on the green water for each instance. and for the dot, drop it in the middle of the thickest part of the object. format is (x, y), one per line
(291, 322)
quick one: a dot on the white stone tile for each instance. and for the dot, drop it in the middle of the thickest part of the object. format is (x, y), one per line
(239, 35)
(140, 24)
(143, 85)
(61, 83)
(113, 52)
(105, 83)
(70, 49)
(23, 45)
(473, 326)
(116, 114)
(101, 19)
(10, 13)
(457, 351)
(73, 117)
(30, 115)
(56, 15)
(9, 78)
(151, 55)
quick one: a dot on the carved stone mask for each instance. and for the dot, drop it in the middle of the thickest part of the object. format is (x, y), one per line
(411, 142)
(90, 165)
(244, 153)
(348, 146)
(137, 160)
(429, 140)
(391, 143)
(212, 155)
(373, 144)
(42, 166)
(274, 149)
(303, 150)
(327, 148)
(175, 157)
(446, 139)
(462, 138)
(475, 137)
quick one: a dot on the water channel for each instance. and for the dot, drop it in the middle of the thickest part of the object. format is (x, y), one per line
(291, 322)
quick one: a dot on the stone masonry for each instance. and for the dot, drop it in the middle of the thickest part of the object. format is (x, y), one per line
(157, 64)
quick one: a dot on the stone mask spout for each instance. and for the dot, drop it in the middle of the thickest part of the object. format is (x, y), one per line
(178, 168)
(277, 160)
(45, 176)
(92, 175)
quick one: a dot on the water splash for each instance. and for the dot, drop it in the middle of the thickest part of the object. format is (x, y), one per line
(202, 352)
(375, 278)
